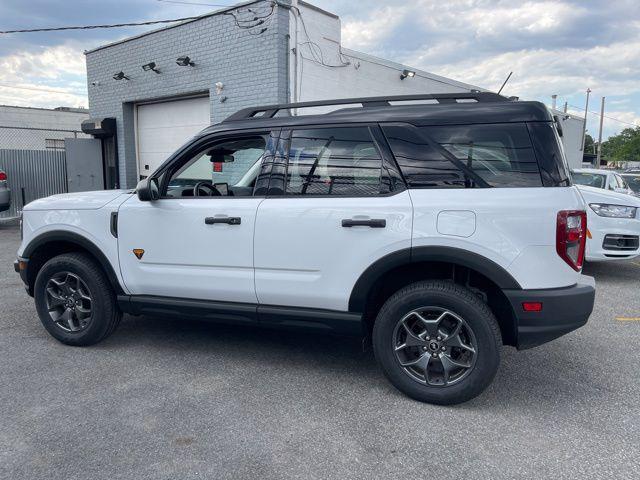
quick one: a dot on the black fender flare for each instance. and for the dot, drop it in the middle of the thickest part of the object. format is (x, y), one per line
(83, 242)
(407, 256)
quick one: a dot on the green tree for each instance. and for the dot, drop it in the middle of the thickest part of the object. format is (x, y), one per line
(589, 144)
(624, 147)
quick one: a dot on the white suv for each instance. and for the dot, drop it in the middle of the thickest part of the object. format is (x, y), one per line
(440, 232)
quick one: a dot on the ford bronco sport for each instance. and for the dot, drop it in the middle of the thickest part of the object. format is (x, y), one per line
(440, 227)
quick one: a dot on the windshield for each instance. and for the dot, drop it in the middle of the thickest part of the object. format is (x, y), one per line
(596, 180)
(633, 181)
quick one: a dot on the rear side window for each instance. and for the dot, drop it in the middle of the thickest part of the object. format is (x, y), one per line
(500, 154)
(551, 159)
(333, 161)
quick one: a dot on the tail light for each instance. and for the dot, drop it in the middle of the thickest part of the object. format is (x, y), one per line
(3, 176)
(571, 237)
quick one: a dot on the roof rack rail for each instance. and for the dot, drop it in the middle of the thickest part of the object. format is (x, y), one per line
(270, 111)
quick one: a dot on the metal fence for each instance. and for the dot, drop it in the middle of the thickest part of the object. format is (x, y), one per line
(32, 174)
(31, 138)
(35, 163)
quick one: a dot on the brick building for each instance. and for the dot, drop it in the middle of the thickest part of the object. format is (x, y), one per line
(258, 52)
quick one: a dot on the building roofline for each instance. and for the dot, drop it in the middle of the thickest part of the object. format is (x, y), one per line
(317, 9)
(399, 66)
(178, 24)
(57, 109)
(567, 114)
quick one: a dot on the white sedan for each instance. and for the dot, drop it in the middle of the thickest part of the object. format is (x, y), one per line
(598, 178)
(613, 224)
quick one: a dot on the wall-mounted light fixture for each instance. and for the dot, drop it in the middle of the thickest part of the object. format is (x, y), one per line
(120, 76)
(151, 66)
(184, 62)
(407, 74)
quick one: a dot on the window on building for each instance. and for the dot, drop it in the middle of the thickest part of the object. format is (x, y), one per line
(54, 143)
(333, 161)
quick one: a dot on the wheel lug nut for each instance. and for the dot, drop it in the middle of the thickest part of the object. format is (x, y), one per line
(424, 348)
(427, 338)
(444, 348)
(435, 355)
(439, 338)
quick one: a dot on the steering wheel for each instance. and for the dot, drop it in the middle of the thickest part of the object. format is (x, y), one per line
(205, 186)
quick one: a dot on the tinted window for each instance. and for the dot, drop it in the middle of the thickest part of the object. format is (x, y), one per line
(421, 165)
(550, 155)
(333, 161)
(500, 154)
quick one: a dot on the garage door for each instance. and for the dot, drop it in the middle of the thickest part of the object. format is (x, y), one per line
(163, 127)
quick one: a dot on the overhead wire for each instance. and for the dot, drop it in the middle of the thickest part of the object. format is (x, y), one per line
(604, 116)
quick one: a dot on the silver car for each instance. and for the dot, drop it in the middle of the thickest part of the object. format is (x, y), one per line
(5, 193)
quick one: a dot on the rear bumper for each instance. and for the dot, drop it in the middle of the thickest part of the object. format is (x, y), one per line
(563, 310)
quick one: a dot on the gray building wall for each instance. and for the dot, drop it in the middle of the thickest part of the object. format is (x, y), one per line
(26, 128)
(253, 68)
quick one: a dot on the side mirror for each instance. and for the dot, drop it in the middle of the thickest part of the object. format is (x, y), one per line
(148, 190)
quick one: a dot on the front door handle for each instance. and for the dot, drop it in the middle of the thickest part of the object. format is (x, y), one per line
(227, 220)
(372, 223)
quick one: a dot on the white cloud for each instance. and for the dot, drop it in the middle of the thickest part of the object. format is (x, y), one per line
(365, 33)
(48, 63)
(33, 78)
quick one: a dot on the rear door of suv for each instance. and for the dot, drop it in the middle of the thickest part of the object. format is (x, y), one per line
(336, 203)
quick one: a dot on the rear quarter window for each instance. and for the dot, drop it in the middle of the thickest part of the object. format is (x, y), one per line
(501, 155)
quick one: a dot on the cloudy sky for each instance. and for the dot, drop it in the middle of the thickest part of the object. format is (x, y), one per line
(559, 47)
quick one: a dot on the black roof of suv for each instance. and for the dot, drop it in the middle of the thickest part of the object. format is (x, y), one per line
(444, 109)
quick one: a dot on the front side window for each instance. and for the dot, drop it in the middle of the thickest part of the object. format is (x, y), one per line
(333, 161)
(223, 168)
(596, 180)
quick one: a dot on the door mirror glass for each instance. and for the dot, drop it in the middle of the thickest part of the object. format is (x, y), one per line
(148, 190)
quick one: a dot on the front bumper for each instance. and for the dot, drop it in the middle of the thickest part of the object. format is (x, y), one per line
(563, 310)
(599, 250)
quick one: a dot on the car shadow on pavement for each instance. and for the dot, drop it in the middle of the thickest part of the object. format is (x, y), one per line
(524, 377)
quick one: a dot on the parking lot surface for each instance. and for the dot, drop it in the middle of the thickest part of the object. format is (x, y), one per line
(177, 399)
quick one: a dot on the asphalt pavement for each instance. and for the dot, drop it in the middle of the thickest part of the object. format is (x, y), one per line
(178, 399)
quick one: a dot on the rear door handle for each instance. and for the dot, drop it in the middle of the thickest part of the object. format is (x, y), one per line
(372, 223)
(227, 220)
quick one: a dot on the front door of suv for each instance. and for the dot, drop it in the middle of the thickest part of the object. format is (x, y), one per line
(335, 205)
(196, 241)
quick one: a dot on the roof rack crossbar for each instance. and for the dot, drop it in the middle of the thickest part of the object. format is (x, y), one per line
(269, 111)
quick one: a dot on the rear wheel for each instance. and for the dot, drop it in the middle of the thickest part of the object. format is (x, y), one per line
(437, 342)
(75, 301)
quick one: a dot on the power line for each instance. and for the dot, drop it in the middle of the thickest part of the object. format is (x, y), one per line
(604, 116)
(91, 27)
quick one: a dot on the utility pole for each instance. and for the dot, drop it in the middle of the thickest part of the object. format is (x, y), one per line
(599, 157)
(554, 99)
(584, 127)
(566, 104)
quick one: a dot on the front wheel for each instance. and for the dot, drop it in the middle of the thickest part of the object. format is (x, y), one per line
(437, 342)
(75, 301)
